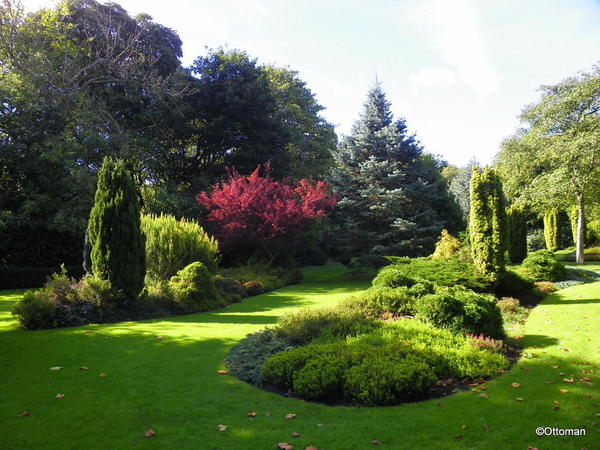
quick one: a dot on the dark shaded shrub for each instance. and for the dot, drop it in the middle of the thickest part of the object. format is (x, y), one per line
(231, 290)
(14, 277)
(193, 289)
(536, 240)
(35, 310)
(461, 310)
(246, 359)
(270, 277)
(253, 288)
(512, 284)
(542, 266)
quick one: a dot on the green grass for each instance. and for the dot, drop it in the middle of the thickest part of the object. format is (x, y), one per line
(171, 384)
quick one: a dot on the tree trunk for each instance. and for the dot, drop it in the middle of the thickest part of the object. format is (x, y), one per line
(579, 245)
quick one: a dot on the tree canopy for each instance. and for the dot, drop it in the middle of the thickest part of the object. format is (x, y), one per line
(554, 161)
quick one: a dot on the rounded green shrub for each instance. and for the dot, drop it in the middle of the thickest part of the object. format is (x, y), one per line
(392, 277)
(446, 246)
(321, 378)
(385, 381)
(35, 311)
(193, 289)
(542, 266)
(231, 290)
(378, 300)
(462, 310)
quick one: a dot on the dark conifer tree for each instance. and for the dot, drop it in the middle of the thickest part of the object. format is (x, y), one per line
(517, 234)
(392, 197)
(116, 241)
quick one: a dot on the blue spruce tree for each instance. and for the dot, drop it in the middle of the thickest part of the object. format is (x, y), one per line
(392, 197)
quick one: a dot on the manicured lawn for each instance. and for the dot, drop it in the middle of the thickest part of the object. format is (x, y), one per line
(171, 384)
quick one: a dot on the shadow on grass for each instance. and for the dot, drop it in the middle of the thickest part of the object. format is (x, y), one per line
(538, 340)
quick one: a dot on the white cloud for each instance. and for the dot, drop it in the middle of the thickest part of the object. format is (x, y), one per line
(427, 77)
(455, 30)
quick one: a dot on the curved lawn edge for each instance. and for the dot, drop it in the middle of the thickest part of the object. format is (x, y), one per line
(171, 384)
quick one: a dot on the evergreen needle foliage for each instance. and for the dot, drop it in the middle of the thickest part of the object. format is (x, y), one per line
(114, 232)
(552, 230)
(173, 244)
(487, 222)
(517, 234)
(392, 197)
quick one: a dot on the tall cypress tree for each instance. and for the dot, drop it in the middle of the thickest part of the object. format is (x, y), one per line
(552, 229)
(392, 197)
(487, 222)
(517, 234)
(116, 241)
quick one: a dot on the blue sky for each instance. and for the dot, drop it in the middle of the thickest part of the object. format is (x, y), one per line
(459, 71)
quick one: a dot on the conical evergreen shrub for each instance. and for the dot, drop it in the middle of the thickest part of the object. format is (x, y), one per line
(114, 234)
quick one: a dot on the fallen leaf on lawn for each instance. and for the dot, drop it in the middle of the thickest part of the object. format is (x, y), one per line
(569, 380)
(485, 427)
(24, 413)
(516, 385)
(556, 408)
(311, 447)
(149, 433)
(578, 406)
(295, 434)
(519, 399)
(103, 374)
(589, 395)
(518, 338)
(290, 416)
(222, 372)
(483, 395)
(457, 436)
(56, 368)
(319, 425)
(284, 446)
(221, 427)
(549, 382)
(566, 350)
(159, 337)
(375, 442)
(585, 379)
(439, 404)
(87, 331)
(555, 367)
(474, 390)
(83, 368)
(563, 391)
(59, 395)
(556, 402)
(529, 447)
(251, 414)
(464, 427)
(562, 374)
(483, 388)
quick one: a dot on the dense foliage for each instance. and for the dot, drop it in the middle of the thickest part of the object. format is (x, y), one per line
(193, 289)
(256, 213)
(552, 230)
(517, 234)
(71, 97)
(542, 266)
(392, 199)
(114, 235)
(172, 244)
(552, 162)
(446, 246)
(487, 222)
